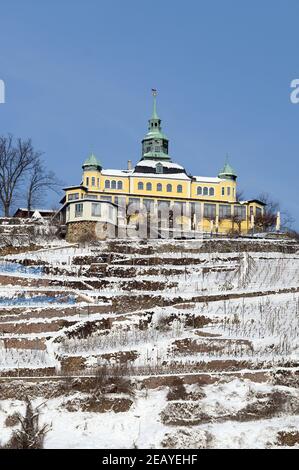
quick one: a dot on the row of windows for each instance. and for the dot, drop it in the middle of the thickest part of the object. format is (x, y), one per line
(93, 181)
(159, 187)
(157, 148)
(73, 196)
(225, 211)
(113, 184)
(228, 191)
(96, 210)
(201, 191)
(205, 191)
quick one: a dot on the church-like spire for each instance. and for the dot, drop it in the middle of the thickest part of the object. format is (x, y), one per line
(155, 143)
(154, 123)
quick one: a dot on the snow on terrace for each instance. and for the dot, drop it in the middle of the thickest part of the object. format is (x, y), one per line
(110, 430)
(190, 285)
(55, 255)
(142, 426)
(228, 271)
(267, 335)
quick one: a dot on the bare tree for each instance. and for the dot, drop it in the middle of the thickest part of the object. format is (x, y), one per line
(16, 160)
(268, 219)
(287, 220)
(271, 206)
(39, 181)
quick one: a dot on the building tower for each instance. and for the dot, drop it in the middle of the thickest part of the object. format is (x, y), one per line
(155, 143)
(227, 172)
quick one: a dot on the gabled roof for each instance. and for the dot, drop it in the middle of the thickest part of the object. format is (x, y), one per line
(153, 163)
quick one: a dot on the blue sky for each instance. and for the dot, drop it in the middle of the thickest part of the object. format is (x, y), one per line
(78, 76)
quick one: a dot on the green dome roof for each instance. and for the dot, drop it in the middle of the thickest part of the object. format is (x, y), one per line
(227, 172)
(92, 161)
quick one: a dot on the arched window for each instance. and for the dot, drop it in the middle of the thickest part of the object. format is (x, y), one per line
(119, 185)
(140, 186)
(93, 181)
(87, 181)
(149, 186)
(159, 168)
(211, 192)
(107, 184)
(159, 187)
(113, 184)
(169, 188)
(179, 188)
(199, 191)
(205, 191)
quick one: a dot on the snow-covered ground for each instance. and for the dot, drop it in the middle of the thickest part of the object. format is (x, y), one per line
(231, 317)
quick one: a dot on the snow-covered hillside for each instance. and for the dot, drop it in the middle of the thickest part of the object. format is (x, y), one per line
(160, 343)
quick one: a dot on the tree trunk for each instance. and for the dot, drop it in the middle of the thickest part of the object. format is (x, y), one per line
(6, 209)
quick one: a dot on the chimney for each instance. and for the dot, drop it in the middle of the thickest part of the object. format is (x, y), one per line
(129, 164)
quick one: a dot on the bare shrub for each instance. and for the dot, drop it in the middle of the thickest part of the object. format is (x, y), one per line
(113, 380)
(177, 391)
(32, 434)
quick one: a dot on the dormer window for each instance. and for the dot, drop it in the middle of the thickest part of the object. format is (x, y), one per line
(159, 168)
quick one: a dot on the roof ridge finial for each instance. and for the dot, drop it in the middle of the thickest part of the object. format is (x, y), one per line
(154, 93)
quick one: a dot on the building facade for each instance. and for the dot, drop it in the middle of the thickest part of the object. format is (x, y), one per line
(155, 191)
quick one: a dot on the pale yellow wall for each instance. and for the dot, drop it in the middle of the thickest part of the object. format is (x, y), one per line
(189, 191)
(130, 186)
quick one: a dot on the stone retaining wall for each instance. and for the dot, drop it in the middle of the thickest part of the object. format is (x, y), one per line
(88, 231)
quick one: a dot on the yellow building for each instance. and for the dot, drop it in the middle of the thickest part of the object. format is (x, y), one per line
(156, 191)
